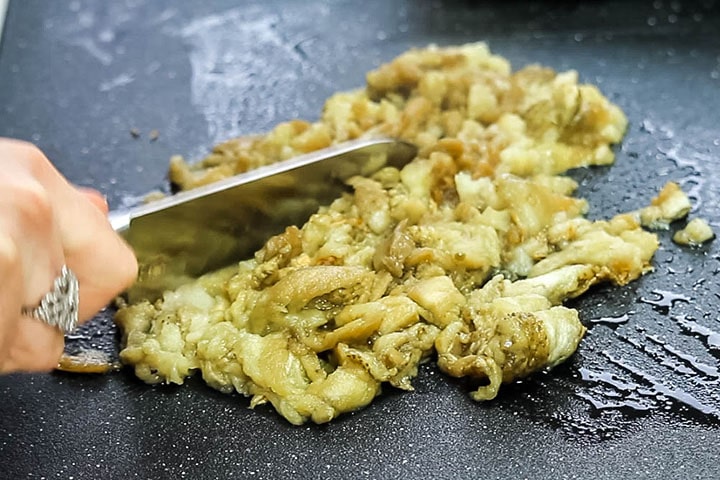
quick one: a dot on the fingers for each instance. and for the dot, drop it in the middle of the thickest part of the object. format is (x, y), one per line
(44, 223)
(101, 260)
(25, 343)
(28, 220)
(31, 256)
(96, 293)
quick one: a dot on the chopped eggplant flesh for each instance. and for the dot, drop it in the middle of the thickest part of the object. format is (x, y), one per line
(464, 256)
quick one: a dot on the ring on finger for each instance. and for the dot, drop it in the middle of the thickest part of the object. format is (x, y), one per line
(59, 307)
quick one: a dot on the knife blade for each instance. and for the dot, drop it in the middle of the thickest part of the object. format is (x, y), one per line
(183, 236)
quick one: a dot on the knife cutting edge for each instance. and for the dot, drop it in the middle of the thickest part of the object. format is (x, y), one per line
(183, 236)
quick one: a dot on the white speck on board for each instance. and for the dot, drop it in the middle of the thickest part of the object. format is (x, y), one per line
(93, 49)
(119, 81)
(221, 71)
(232, 84)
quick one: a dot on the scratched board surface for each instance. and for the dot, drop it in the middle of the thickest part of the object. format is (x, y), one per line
(110, 90)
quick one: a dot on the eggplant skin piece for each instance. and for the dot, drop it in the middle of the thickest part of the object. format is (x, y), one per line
(465, 255)
(504, 338)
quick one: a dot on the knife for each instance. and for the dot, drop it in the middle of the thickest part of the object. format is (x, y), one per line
(183, 236)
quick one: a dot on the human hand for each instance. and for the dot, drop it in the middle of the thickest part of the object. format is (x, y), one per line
(46, 223)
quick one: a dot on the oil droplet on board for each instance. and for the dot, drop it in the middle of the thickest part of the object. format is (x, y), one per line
(619, 320)
(607, 378)
(658, 387)
(695, 364)
(657, 372)
(711, 337)
(665, 300)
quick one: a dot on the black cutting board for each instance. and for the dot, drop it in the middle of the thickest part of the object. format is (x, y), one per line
(640, 399)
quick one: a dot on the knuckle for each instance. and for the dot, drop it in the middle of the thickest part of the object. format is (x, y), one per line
(26, 154)
(9, 253)
(33, 202)
(35, 159)
(16, 144)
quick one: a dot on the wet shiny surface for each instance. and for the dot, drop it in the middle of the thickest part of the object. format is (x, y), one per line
(640, 399)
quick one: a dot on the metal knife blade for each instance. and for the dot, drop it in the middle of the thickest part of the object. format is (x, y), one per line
(183, 236)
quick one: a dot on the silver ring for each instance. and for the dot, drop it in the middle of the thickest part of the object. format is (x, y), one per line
(59, 307)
